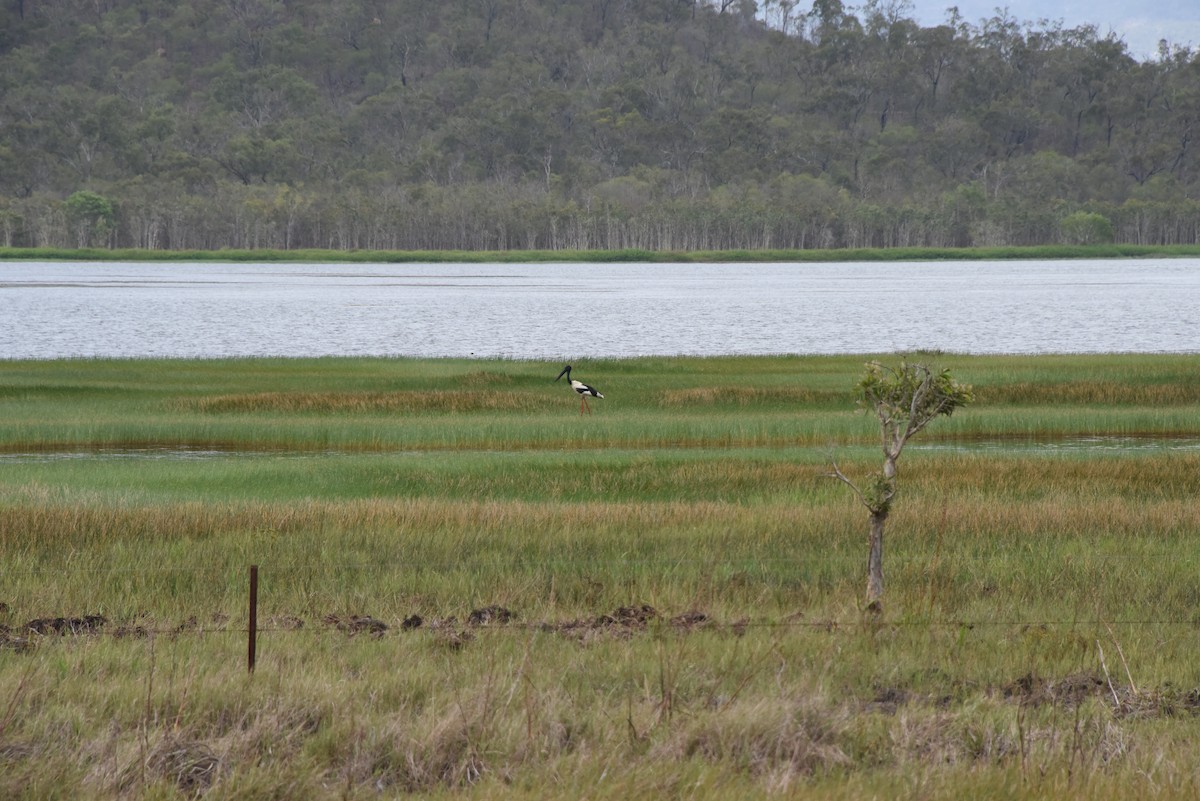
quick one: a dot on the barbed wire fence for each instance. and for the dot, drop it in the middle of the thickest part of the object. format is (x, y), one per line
(494, 619)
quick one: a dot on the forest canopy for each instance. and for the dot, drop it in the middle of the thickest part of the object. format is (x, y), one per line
(582, 124)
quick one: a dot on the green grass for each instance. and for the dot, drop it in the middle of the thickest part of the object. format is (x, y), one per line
(1037, 640)
(401, 404)
(1114, 251)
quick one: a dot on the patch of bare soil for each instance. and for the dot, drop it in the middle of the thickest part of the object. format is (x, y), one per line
(353, 625)
(622, 623)
(888, 700)
(634, 617)
(13, 642)
(691, 620)
(136, 631)
(86, 624)
(1070, 690)
(489, 615)
(1126, 701)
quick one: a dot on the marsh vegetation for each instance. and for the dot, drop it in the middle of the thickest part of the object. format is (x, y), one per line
(467, 588)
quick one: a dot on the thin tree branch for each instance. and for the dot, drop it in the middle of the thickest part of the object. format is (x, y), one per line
(840, 476)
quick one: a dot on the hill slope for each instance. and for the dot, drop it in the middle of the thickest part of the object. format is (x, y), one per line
(578, 123)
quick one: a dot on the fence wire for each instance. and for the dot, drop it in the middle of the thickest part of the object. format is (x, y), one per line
(956, 560)
(376, 629)
(274, 575)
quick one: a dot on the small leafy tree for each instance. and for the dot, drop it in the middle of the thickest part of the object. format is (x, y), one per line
(905, 399)
(91, 215)
(1087, 228)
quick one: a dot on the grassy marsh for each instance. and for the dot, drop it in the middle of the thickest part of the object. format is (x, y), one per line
(1039, 638)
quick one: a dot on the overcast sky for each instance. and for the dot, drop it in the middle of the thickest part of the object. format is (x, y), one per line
(1140, 24)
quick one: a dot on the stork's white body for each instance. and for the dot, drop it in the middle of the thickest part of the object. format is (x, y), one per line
(582, 389)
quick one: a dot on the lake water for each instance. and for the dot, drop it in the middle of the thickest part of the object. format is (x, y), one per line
(534, 311)
(1044, 446)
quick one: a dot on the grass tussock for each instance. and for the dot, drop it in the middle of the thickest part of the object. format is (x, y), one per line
(191, 766)
(780, 743)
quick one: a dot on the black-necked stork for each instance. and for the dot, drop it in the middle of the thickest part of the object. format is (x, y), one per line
(583, 389)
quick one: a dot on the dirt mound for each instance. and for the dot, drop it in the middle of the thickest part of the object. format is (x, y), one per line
(1126, 701)
(1070, 690)
(629, 616)
(352, 625)
(65, 625)
(690, 620)
(622, 622)
(490, 614)
(13, 642)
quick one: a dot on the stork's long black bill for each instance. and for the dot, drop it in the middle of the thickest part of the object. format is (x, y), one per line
(565, 371)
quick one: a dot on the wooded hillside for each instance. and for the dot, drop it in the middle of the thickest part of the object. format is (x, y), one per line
(659, 124)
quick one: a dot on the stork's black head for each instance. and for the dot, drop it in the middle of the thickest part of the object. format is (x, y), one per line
(565, 371)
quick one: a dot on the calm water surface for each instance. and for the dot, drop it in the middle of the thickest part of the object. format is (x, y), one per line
(1045, 446)
(532, 311)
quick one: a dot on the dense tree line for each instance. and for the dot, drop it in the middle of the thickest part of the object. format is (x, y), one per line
(659, 124)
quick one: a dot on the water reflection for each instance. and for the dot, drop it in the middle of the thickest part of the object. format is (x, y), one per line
(1051, 445)
(175, 454)
(1008, 445)
(537, 311)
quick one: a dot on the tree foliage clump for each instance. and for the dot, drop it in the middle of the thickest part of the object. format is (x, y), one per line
(91, 215)
(555, 124)
(1087, 228)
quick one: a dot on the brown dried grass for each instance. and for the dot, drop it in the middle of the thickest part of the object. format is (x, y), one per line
(779, 742)
(24, 526)
(190, 765)
(406, 401)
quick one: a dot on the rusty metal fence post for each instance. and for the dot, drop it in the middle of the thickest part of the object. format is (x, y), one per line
(253, 627)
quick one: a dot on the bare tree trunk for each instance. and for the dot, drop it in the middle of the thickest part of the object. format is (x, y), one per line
(875, 563)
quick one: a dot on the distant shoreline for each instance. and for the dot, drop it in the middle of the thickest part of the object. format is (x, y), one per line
(627, 256)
